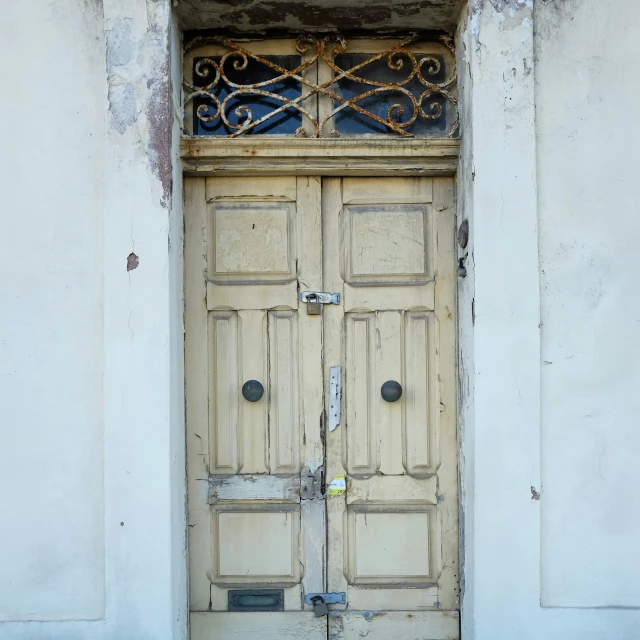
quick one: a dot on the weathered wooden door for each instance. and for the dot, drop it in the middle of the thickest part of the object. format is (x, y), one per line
(392, 534)
(256, 514)
(262, 532)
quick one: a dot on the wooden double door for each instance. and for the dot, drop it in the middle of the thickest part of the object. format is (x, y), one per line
(321, 430)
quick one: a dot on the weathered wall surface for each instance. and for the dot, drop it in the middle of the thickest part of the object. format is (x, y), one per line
(254, 16)
(92, 440)
(549, 376)
(51, 353)
(588, 131)
(499, 318)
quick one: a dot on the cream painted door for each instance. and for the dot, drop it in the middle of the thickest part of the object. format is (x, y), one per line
(256, 515)
(393, 534)
(260, 531)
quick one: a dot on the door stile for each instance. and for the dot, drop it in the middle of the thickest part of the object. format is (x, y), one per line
(197, 375)
(333, 350)
(447, 445)
(310, 361)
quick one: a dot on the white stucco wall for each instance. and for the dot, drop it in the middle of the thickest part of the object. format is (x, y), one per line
(588, 126)
(92, 540)
(548, 399)
(51, 349)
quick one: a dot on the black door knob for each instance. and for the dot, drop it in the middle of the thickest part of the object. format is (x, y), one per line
(252, 390)
(391, 391)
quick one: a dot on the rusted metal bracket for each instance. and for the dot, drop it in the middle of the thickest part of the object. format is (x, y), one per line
(311, 485)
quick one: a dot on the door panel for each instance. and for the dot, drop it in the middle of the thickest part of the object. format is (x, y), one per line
(284, 454)
(362, 437)
(257, 517)
(250, 244)
(392, 535)
(284, 625)
(253, 417)
(434, 625)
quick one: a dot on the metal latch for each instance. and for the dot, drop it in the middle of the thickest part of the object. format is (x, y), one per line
(320, 297)
(315, 300)
(339, 597)
(319, 606)
(314, 306)
(321, 600)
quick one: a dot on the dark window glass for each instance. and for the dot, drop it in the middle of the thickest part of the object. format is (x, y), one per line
(350, 122)
(286, 121)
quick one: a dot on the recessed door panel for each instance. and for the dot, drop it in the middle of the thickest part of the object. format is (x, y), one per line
(252, 241)
(223, 391)
(386, 244)
(362, 436)
(389, 544)
(256, 545)
(284, 419)
(420, 400)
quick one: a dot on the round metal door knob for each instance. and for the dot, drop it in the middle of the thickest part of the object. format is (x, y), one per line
(391, 391)
(252, 390)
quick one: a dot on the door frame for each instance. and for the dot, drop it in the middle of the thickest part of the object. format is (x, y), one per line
(383, 157)
(346, 157)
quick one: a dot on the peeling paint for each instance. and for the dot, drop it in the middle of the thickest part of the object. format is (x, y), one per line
(123, 109)
(120, 47)
(262, 15)
(159, 116)
(512, 5)
(140, 91)
(514, 13)
(132, 262)
(121, 93)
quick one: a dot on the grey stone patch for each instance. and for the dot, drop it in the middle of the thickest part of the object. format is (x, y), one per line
(123, 109)
(515, 5)
(120, 47)
(507, 8)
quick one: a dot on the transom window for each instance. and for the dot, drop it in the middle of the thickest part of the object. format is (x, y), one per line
(321, 87)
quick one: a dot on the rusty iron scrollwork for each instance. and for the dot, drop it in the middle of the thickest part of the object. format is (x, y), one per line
(425, 103)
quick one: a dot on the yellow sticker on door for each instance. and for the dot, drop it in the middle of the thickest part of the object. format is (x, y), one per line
(337, 486)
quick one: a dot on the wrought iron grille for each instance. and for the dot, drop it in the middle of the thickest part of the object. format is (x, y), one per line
(396, 90)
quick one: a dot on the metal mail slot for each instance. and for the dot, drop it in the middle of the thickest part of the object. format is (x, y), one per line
(256, 600)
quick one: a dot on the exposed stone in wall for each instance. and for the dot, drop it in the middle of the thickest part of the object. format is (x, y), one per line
(514, 5)
(138, 77)
(513, 13)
